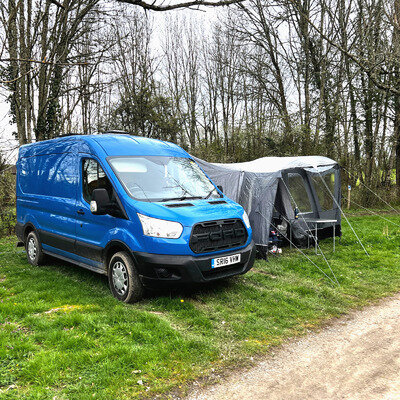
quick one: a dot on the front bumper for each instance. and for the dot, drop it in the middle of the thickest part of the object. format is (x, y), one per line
(158, 270)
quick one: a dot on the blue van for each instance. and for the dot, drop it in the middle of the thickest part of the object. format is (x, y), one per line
(136, 209)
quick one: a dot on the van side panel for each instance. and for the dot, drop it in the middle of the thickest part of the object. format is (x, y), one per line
(46, 197)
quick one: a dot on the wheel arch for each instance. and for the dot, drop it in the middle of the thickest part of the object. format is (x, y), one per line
(113, 247)
(28, 228)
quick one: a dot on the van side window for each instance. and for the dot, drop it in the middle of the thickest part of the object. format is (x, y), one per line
(93, 177)
(52, 175)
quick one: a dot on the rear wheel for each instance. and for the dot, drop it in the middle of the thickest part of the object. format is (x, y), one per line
(33, 248)
(123, 278)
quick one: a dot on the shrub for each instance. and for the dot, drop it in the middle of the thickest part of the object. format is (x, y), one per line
(7, 203)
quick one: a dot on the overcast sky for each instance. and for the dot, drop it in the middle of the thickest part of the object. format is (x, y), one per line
(205, 18)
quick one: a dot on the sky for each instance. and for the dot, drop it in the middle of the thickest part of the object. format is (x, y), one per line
(8, 143)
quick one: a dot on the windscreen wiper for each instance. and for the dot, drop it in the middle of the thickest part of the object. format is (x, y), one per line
(209, 194)
(182, 198)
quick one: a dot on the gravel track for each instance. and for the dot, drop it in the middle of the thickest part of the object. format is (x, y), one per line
(356, 357)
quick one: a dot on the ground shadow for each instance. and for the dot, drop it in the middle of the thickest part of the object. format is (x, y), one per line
(170, 290)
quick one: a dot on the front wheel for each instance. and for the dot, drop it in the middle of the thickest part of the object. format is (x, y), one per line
(123, 278)
(33, 249)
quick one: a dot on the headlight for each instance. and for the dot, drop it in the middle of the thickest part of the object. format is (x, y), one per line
(160, 228)
(246, 219)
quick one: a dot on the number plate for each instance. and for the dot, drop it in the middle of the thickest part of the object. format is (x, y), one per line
(224, 261)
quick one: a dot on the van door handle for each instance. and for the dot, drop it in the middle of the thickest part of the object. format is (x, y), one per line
(81, 212)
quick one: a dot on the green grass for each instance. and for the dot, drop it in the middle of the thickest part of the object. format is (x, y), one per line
(63, 336)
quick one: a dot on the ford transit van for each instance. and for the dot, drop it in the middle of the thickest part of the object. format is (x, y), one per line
(138, 210)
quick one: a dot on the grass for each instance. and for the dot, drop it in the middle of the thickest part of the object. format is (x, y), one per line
(63, 336)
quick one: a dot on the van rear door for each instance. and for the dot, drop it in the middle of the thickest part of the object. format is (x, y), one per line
(92, 231)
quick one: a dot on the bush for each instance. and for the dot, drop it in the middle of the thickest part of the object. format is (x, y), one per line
(7, 222)
(7, 203)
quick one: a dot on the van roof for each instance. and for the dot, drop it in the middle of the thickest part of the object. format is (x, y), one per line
(111, 144)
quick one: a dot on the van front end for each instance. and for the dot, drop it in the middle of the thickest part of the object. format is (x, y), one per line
(207, 248)
(185, 228)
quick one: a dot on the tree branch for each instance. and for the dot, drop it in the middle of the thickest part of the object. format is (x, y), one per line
(20, 76)
(58, 4)
(42, 62)
(193, 3)
(368, 70)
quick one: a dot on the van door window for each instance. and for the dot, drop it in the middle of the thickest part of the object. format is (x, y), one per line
(94, 177)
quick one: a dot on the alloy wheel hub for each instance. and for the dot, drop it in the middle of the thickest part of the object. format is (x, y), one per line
(32, 249)
(120, 277)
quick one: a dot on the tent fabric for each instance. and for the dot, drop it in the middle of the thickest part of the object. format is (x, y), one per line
(261, 187)
(276, 164)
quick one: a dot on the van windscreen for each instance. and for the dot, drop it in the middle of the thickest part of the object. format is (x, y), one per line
(160, 178)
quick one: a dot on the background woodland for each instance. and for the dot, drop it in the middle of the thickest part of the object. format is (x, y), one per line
(264, 78)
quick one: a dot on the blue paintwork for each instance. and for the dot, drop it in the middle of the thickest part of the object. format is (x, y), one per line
(50, 172)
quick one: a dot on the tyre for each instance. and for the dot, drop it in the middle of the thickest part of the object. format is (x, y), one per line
(33, 248)
(123, 278)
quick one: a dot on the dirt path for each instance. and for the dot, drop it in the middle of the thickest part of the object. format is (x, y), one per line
(357, 357)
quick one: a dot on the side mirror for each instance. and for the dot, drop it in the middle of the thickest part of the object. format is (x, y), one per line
(220, 188)
(101, 202)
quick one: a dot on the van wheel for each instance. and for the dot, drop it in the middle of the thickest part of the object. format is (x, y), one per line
(33, 249)
(123, 278)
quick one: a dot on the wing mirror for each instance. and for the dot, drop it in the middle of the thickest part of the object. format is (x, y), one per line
(100, 205)
(220, 188)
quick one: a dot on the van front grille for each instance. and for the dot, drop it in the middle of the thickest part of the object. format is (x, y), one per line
(218, 235)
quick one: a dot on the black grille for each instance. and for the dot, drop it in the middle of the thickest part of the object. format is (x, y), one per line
(217, 202)
(178, 205)
(217, 235)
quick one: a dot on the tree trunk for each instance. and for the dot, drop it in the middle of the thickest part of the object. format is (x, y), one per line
(396, 125)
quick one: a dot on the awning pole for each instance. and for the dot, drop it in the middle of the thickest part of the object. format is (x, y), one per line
(292, 244)
(344, 215)
(308, 258)
(310, 230)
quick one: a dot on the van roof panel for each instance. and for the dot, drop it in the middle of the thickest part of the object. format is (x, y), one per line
(70, 144)
(112, 145)
(126, 145)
